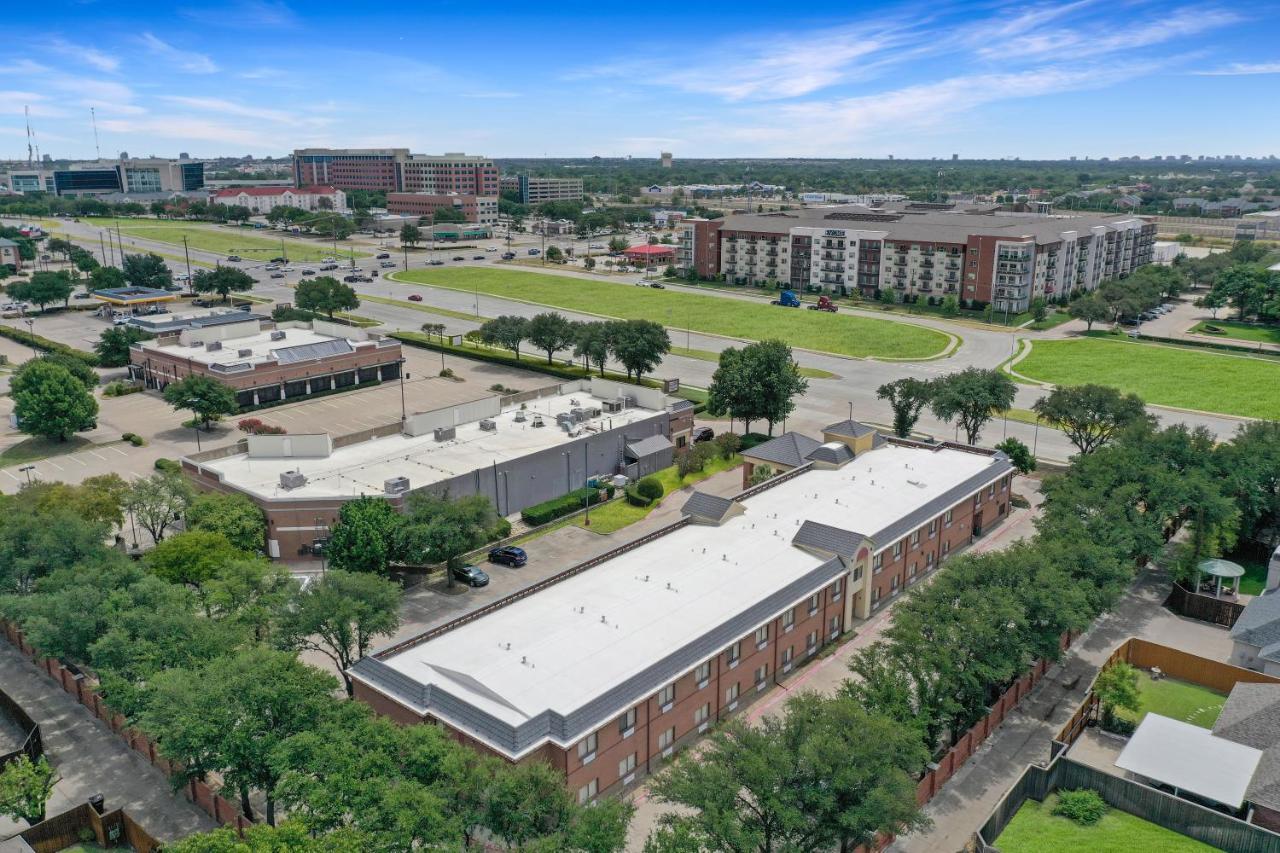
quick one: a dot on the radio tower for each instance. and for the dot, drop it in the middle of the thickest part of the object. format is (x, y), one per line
(26, 111)
(97, 150)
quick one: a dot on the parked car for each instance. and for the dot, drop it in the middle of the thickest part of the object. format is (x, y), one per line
(437, 263)
(277, 275)
(181, 277)
(477, 257)
(703, 433)
(657, 285)
(386, 265)
(328, 260)
(507, 256)
(415, 297)
(533, 251)
(382, 255)
(82, 295)
(235, 259)
(328, 266)
(308, 272)
(471, 575)
(596, 246)
(492, 249)
(508, 555)
(459, 258)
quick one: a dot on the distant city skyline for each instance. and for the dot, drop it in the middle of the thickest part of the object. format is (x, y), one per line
(984, 81)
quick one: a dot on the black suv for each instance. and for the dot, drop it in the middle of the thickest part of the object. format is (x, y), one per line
(471, 575)
(382, 256)
(509, 555)
(702, 433)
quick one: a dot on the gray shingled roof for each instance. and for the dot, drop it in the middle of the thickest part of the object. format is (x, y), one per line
(1259, 624)
(1251, 716)
(640, 448)
(1264, 788)
(832, 454)
(853, 429)
(824, 537)
(999, 466)
(791, 449)
(709, 507)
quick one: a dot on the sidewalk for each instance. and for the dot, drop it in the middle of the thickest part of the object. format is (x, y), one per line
(968, 797)
(91, 759)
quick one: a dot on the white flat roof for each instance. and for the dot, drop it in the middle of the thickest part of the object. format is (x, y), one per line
(365, 467)
(579, 638)
(261, 346)
(1190, 759)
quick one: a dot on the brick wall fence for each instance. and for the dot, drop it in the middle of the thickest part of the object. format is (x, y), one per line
(77, 685)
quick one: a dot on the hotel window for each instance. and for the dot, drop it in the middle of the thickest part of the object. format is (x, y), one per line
(897, 551)
(734, 653)
(731, 695)
(701, 715)
(666, 696)
(928, 561)
(702, 674)
(877, 563)
(814, 601)
(837, 588)
(762, 636)
(977, 500)
(875, 597)
(911, 570)
(587, 791)
(587, 748)
(915, 539)
(627, 723)
(626, 765)
(811, 642)
(788, 655)
(667, 738)
(835, 626)
(991, 490)
(946, 519)
(893, 586)
(933, 528)
(789, 619)
(762, 676)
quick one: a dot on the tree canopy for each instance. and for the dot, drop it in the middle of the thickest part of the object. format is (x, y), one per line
(1090, 415)
(971, 397)
(223, 281)
(147, 270)
(325, 295)
(205, 397)
(50, 401)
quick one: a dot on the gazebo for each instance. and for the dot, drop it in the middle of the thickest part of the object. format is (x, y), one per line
(1221, 569)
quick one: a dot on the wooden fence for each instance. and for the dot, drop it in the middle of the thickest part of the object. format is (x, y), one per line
(1174, 813)
(75, 683)
(112, 829)
(1206, 608)
(32, 746)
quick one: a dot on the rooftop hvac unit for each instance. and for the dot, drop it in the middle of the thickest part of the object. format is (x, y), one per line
(396, 485)
(292, 479)
(244, 353)
(489, 425)
(564, 418)
(445, 433)
(520, 418)
(612, 406)
(213, 346)
(578, 414)
(277, 335)
(537, 421)
(592, 411)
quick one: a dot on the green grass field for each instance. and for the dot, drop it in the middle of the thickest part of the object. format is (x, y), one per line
(843, 334)
(1179, 700)
(1187, 378)
(1034, 829)
(223, 240)
(617, 514)
(1234, 330)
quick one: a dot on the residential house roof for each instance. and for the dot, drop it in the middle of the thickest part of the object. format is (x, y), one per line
(791, 449)
(1259, 623)
(1251, 716)
(852, 429)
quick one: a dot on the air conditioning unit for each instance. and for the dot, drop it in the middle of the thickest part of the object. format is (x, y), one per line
(445, 433)
(244, 353)
(578, 415)
(592, 411)
(292, 479)
(564, 418)
(277, 335)
(396, 485)
(489, 425)
(520, 418)
(537, 421)
(213, 346)
(612, 406)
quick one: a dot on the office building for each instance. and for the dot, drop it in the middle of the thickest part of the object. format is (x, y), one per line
(482, 210)
(613, 665)
(264, 199)
(395, 170)
(922, 251)
(102, 177)
(449, 174)
(517, 451)
(538, 190)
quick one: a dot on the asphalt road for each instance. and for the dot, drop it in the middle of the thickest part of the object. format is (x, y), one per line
(827, 400)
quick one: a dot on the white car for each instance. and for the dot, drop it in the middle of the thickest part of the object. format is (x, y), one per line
(181, 277)
(327, 260)
(492, 249)
(288, 269)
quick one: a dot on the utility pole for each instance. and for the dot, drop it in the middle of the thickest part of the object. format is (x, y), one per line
(191, 284)
(120, 242)
(102, 244)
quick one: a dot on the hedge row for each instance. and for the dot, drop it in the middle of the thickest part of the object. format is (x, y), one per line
(751, 439)
(46, 345)
(548, 511)
(635, 498)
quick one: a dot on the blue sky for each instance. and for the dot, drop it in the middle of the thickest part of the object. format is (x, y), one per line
(709, 79)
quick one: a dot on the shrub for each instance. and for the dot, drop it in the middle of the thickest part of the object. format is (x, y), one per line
(168, 466)
(24, 337)
(635, 498)
(689, 462)
(650, 488)
(128, 436)
(1085, 806)
(760, 474)
(135, 440)
(610, 490)
(728, 443)
(751, 439)
(254, 426)
(498, 387)
(500, 530)
(548, 511)
(447, 373)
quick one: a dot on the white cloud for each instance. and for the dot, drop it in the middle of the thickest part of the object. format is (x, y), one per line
(1105, 37)
(1237, 69)
(24, 66)
(17, 103)
(221, 105)
(191, 128)
(185, 60)
(88, 55)
(247, 13)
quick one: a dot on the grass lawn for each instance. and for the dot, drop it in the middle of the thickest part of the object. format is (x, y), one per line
(1179, 700)
(36, 448)
(1255, 573)
(708, 355)
(843, 334)
(1193, 379)
(1054, 320)
(224, 241)
(1035, 830)
(617, 514)
(1234, 330)
(418, 306)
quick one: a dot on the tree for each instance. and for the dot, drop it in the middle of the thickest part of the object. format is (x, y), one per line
(1243, 286)
(96, 499)
(222, 281)
(639, 345)
(1249, 468)
(106, 278)
(906, 397)
(973, 396)
(554, 254)
(49, 401)
(507, 331)
(207, 398)
(147, 271)
(1215, 301)
(191, 558)
(157, 501)
(773, 378)
(1091, 415)
(589, 263)
(618, 244)
(325, 295)
(1091, 308)
(410, 235)
(439, 530)
(25, 787)
(1117, 687)
(291, 836)
(950, 305)
(252, 593)
(550, 332)
(364, 539)
(239, 520)
(43, 288)
(1039, 309)
(1019, 455)
(339, 615)
(591, 344)
(114, 343)
(86, 375)
(525, 802)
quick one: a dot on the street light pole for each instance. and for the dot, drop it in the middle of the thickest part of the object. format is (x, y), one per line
(26, 469)
(32, 336)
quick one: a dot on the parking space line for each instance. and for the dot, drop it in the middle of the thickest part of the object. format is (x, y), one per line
(99, 455)
(76, 458)
(11, 477)
(117, 450)
(54, 464)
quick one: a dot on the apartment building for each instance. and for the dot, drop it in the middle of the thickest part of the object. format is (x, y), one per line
(615, 664)
(482, 210)
(922, 251)
(265, 199)
(350, 168)
(538, 190)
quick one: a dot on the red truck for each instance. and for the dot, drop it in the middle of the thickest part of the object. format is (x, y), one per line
(824, 304)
